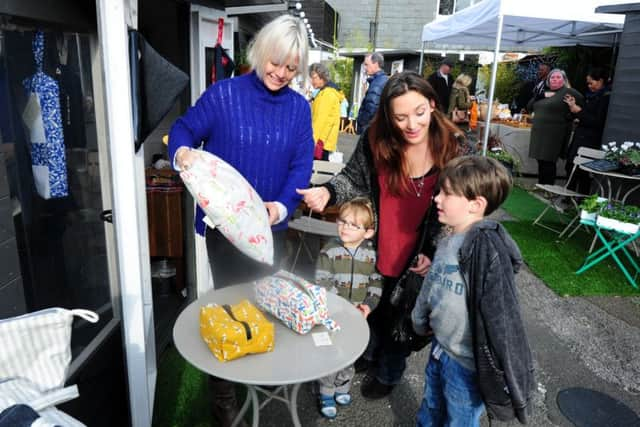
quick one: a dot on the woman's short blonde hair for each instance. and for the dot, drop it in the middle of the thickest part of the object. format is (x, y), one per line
(284, 38)
(463, 80)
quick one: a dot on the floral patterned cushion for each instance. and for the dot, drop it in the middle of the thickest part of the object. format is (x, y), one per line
(230, 204)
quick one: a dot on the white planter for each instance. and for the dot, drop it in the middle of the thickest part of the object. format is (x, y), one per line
(591, 216)
(627, 227)
(588, 216)
(614, 224)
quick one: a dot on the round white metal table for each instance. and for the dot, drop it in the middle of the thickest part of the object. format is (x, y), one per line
(294, 360)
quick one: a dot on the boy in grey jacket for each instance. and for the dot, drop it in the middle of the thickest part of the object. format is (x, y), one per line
(347, 266)
(468, 296)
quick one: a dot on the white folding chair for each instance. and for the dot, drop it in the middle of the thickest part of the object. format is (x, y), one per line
(557, 193)
(324, 170)
(307, 225)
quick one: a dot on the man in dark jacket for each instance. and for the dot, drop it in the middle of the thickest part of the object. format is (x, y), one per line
(373, 66)
(441, 81)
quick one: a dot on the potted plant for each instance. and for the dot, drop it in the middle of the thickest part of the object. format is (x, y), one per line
(618, 217)
(626, 154)
(496, 149)
(589, 207)
(507, 159)
(242, 63)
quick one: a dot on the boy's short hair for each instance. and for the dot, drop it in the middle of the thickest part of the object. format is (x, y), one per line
(362, 207)
(477, 176)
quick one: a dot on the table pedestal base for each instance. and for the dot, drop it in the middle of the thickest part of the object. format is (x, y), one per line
(280, 393)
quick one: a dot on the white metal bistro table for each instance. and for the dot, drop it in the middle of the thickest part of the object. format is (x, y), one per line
(613, 192)
(294, 360)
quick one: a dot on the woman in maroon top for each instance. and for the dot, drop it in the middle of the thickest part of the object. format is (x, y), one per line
(396, 164)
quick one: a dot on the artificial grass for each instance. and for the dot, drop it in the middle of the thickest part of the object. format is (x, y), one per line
(182, 394)
(182, 397)
(556, 262)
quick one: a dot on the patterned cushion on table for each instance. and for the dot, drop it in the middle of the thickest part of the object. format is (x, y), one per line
(297, 303)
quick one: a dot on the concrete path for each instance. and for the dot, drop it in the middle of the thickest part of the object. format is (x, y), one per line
(577, 342)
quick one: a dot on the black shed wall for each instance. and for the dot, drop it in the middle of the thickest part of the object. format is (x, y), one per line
(624, 111)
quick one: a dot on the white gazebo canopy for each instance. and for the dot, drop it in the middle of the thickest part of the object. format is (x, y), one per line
(515, 25)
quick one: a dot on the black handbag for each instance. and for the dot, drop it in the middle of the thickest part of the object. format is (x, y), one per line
(403, 299)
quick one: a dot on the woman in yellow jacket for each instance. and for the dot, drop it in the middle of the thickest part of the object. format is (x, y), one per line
(325, 109)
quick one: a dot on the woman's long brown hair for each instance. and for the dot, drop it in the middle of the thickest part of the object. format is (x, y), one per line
(387, 142)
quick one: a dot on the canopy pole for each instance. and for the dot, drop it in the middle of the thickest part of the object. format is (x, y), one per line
(421, 59)
(492, 87)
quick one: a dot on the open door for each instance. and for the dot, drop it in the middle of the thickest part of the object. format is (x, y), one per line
(129, 208)
(203, 39)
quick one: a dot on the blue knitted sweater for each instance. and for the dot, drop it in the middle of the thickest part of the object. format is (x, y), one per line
(265, 135)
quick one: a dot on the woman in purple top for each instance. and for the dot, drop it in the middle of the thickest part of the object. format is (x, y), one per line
(261, 127)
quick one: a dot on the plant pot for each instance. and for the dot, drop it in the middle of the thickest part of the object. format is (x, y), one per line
(630, 170)
(243, 69)
(614, 224)
(588, 216)
(508, 166)
(628, 228)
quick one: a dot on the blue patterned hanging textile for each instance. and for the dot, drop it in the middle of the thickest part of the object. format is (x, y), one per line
(43, 120)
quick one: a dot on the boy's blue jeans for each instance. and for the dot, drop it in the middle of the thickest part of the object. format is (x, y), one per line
(451, 395)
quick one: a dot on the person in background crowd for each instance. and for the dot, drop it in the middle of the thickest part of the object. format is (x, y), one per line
(541, 85)
(344, 113)
(460, 101)
(442, 82)
(591, 118)
(396, 165)
(262, 127)
(533, 89)
(325, 109)
(551, 124)
(374, 67)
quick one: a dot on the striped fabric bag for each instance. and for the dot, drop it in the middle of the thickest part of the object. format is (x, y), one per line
(37, 346)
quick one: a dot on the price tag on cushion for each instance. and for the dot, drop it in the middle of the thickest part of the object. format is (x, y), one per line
(230, 204)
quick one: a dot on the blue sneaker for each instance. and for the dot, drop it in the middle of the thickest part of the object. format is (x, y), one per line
(343, 399)
(328, 406)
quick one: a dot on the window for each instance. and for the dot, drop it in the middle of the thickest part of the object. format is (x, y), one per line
(60, 237)
(448, 7)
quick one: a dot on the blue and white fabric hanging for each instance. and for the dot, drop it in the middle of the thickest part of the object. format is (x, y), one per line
(43, 120)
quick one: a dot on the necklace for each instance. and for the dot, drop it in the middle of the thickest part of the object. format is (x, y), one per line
(417, 184)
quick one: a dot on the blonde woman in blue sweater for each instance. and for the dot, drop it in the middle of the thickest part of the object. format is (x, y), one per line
(262, 127)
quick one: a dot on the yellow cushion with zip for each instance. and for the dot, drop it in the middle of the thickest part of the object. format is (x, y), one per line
(234, 331)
